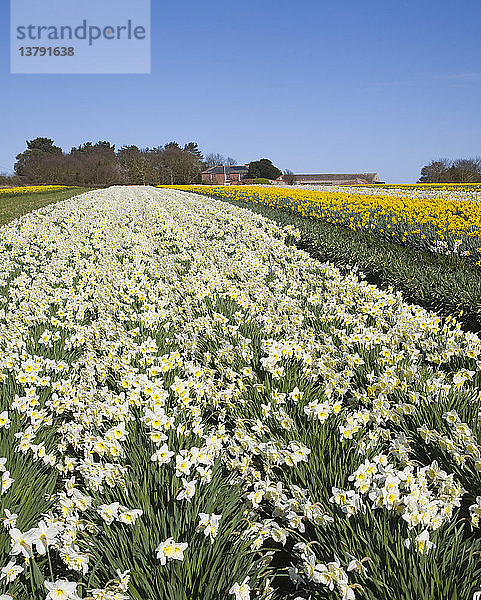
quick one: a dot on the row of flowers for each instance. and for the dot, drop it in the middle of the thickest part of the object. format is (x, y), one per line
(30, 189)
(447, 223)
(190, 407)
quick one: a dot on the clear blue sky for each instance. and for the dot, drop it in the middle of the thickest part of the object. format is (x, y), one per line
(316, 86)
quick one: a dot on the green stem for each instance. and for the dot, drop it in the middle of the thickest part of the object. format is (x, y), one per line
(50, 564)
(31, 577)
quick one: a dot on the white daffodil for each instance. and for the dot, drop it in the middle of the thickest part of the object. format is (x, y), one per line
(123, 579)
(4, 420)
(10, 572)
(130, 516)
(170, 550)
(43, 536)
(10, 519)
(241, 591)
(187, 492)
(423, 543)
(209, 524)
(162, 455)
(108, 512)
(61, 590)
(21, 543)
(6, 482)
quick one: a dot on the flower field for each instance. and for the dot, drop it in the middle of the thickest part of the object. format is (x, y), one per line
(416, 187)
(448, 222)
(15, 202)
(17, 191)
(194, 409)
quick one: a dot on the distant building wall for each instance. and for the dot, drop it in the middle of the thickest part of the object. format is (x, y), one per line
(220, 174)
(335, 178)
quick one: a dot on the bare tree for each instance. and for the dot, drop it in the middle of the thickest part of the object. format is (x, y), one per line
(212, 160)
(215, 159)
(289, 177)
(461, 170)
(466, 170)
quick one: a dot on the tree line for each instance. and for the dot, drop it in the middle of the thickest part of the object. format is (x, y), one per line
(102, 164)
(461, 170)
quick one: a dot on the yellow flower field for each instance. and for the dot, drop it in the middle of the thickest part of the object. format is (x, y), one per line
(449, 226)
(29, 189)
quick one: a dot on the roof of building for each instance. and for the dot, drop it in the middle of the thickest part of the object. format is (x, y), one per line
(369, 177)
(228, 169)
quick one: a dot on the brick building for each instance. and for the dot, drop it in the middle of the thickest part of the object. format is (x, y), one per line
(224, 175)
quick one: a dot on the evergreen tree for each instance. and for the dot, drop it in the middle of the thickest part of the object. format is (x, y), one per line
(193, 149)
(263, 168)
(43, 144)
(28, 162)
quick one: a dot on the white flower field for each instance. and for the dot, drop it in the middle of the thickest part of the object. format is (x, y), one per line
(194, 409)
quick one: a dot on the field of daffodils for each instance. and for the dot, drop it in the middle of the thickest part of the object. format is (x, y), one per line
(31, 189)
(445, 221)
(194, 409)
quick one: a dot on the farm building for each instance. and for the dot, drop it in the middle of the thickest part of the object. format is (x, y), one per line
(334, 179)
(225, 175)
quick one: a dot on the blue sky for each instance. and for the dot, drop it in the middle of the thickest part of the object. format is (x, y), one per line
(316, 86)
